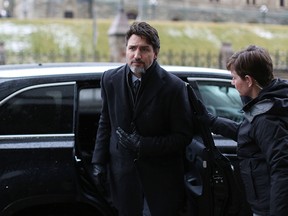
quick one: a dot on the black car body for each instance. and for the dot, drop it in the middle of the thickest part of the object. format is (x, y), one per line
(48, 121)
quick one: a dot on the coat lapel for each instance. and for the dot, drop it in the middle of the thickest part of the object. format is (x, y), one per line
(150, 90)
(122, 92)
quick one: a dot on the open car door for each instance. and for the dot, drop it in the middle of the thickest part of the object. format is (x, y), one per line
(212, 185)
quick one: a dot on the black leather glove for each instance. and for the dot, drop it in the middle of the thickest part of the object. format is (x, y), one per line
(130, 142)
(205, 116)
(99, 173)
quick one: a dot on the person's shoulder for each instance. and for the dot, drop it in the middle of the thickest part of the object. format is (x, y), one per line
(115, 70)
(258, 109)
(172, 77)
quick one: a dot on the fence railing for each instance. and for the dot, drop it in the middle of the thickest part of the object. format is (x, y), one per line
(280, 58)
(26, 58)
(190, 59)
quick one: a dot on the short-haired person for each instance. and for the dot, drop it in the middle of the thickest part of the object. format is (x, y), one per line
(262, 136)
(142, 136)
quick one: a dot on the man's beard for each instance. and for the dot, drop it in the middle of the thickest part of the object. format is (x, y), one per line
(137, 69)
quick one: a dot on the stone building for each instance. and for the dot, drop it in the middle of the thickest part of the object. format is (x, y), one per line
(273, 11)
(48, 8)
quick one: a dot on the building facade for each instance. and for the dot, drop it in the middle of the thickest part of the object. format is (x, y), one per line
(274, 11)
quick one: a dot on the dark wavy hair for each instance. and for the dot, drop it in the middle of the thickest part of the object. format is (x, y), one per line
(254, 61)
(143, 29)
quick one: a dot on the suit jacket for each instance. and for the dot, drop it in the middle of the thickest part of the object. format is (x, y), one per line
(161, 115)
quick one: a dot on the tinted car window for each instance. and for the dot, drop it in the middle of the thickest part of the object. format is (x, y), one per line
(221, 99)
(38, 110)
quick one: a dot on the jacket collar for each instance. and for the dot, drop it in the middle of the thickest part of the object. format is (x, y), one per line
(258, 109)
(151, 83)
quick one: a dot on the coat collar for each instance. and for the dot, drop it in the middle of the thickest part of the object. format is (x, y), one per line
(152, 82)
(258, 109)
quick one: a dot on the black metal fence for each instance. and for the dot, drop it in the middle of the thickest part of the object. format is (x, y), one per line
(190, 59)
(208, 59)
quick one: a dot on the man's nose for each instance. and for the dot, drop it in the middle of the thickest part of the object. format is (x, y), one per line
(137, 53)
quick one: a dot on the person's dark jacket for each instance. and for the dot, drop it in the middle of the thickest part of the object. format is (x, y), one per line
(162, 117)
(263, 148)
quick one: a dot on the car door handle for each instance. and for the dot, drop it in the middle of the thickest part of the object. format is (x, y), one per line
(77, 159)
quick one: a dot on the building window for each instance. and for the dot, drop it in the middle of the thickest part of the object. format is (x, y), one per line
(253, 2)
(68, 14)
(282, 3)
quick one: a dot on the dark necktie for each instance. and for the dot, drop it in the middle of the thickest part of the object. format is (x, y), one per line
(136, 86)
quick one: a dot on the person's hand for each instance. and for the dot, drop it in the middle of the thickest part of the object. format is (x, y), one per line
(205, 116)
(99, 173)
(130, 142)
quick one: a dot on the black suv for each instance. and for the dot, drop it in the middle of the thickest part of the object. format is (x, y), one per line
(48, 122)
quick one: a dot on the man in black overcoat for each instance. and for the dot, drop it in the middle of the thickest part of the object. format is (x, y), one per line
(142, 134)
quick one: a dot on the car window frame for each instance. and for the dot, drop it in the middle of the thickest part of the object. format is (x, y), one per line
(194, 82)
(36, 86)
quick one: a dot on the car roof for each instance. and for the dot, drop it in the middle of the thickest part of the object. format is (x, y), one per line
(39, 70)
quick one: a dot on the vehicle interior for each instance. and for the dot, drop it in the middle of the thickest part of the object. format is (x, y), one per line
(88, 114)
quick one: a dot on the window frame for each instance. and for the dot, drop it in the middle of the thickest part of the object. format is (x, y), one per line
(39, 86)
(194, 82)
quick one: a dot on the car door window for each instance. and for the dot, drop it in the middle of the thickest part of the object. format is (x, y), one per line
(221, 99)
(43, 109)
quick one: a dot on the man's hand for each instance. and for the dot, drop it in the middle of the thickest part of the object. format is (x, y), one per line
(99, 173)
(130, 142)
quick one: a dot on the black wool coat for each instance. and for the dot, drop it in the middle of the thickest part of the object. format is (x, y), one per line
(162, 116)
